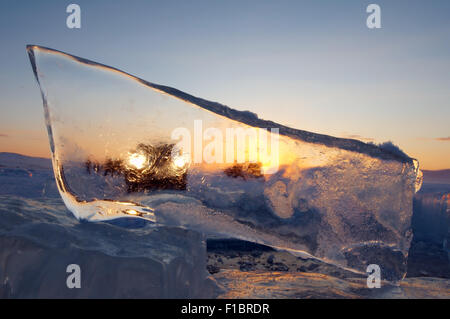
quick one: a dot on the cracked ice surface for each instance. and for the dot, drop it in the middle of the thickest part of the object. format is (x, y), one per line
(339, 200)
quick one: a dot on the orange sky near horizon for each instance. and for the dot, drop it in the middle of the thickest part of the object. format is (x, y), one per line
(35, 143)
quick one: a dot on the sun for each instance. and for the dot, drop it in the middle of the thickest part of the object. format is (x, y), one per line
(137, 160)
(180, 161)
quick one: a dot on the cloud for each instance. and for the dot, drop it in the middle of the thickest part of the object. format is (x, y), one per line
(443, 139)
(3, 135)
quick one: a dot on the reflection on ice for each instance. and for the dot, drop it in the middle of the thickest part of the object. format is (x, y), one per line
(340, 200)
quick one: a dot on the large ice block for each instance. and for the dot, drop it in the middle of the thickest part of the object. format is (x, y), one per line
(114, 140)
(39, 239)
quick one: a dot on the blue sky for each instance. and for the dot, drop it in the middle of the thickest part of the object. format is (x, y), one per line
(312, 65)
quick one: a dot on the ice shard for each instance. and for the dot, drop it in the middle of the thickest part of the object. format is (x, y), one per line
(115, 142)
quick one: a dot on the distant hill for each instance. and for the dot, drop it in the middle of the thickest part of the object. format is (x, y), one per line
(441, 176)
(13, 160)
(26, 176)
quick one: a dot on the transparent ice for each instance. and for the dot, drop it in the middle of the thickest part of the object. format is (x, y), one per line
(339, 200)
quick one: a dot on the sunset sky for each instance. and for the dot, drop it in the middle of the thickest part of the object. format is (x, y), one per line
(311, 65)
